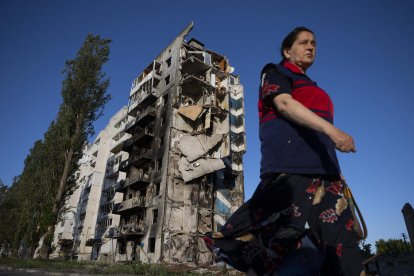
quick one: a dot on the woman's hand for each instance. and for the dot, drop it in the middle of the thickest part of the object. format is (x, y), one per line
(343, 142)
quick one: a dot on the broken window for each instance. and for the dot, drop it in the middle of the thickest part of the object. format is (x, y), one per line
(158, 165)
(161, 141)
(121, 247)
(167, 80)
(168, 61)
(157, 188)
(82, 216)
(163, 118)
(154, 215)
(165, 99)
(120, 123)
(151, 245)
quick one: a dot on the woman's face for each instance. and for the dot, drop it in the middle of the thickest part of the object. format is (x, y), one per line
(302, 52)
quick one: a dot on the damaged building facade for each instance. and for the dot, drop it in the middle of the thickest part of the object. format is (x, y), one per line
(184, 174)
(171, 167)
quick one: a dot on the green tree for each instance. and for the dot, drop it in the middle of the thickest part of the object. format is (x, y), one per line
(84, 97)
(30, 207)
(9, 215)
(27, 205)
(392, 247)
(3, 191)
(365, 250)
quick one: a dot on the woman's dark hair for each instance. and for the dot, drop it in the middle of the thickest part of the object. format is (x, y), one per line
(291, 37)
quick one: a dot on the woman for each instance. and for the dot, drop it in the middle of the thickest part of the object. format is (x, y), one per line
(298, 221)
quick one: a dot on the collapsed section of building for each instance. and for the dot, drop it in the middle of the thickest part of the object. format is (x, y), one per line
(180, 172)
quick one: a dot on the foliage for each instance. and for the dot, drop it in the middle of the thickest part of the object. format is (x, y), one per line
(3, 190)
(27, 204)
(84, 97)
(393, 247)
(365, 250)
(30, 208)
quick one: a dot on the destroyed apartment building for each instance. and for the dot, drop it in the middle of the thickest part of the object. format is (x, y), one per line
(184, 174)
(180, 172)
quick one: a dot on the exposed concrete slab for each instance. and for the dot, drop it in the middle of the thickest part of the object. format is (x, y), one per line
(199, 168)
(192, 112)
(194, 147)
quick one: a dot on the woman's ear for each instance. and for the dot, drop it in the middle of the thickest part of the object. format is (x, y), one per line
(286, 52)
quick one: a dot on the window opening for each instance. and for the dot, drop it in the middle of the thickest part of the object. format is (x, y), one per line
(122, 247)
(157, 188)
(154, 215)
(151, 245)
(168, 61)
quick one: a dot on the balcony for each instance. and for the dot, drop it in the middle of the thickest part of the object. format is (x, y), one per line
(65, 242)
(93, 241)
(193, 65)
(236, 168)
(135, 228)
(237, 129)
(195, 87)
(123, 166)
(237, 112)
(142, 136)
(134, 182)
(236, 104)
(141, 157)
(119, 185)
(143, 118)
(152, 71)
(129, 206)
(237, 138)
(116, 146)
(113, 171)
(238, 148)
(113, 232)
(237, 158)
(146, 116)
(129, 127)
(236, 121)
(144, 94)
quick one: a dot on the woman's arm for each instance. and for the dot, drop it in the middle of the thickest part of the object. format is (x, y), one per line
(296, 112)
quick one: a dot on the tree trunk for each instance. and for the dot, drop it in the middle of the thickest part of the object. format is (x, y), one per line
(45, 251)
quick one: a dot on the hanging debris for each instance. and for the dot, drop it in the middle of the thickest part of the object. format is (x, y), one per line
(194, 147)
(191, 112)
(199, 167)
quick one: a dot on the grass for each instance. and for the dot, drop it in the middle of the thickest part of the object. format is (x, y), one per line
(37, 263)
(93, 267)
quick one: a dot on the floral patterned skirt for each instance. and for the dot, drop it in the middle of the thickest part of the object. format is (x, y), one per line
(292, 225)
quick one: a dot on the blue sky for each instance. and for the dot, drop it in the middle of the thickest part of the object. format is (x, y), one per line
(365, 60)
